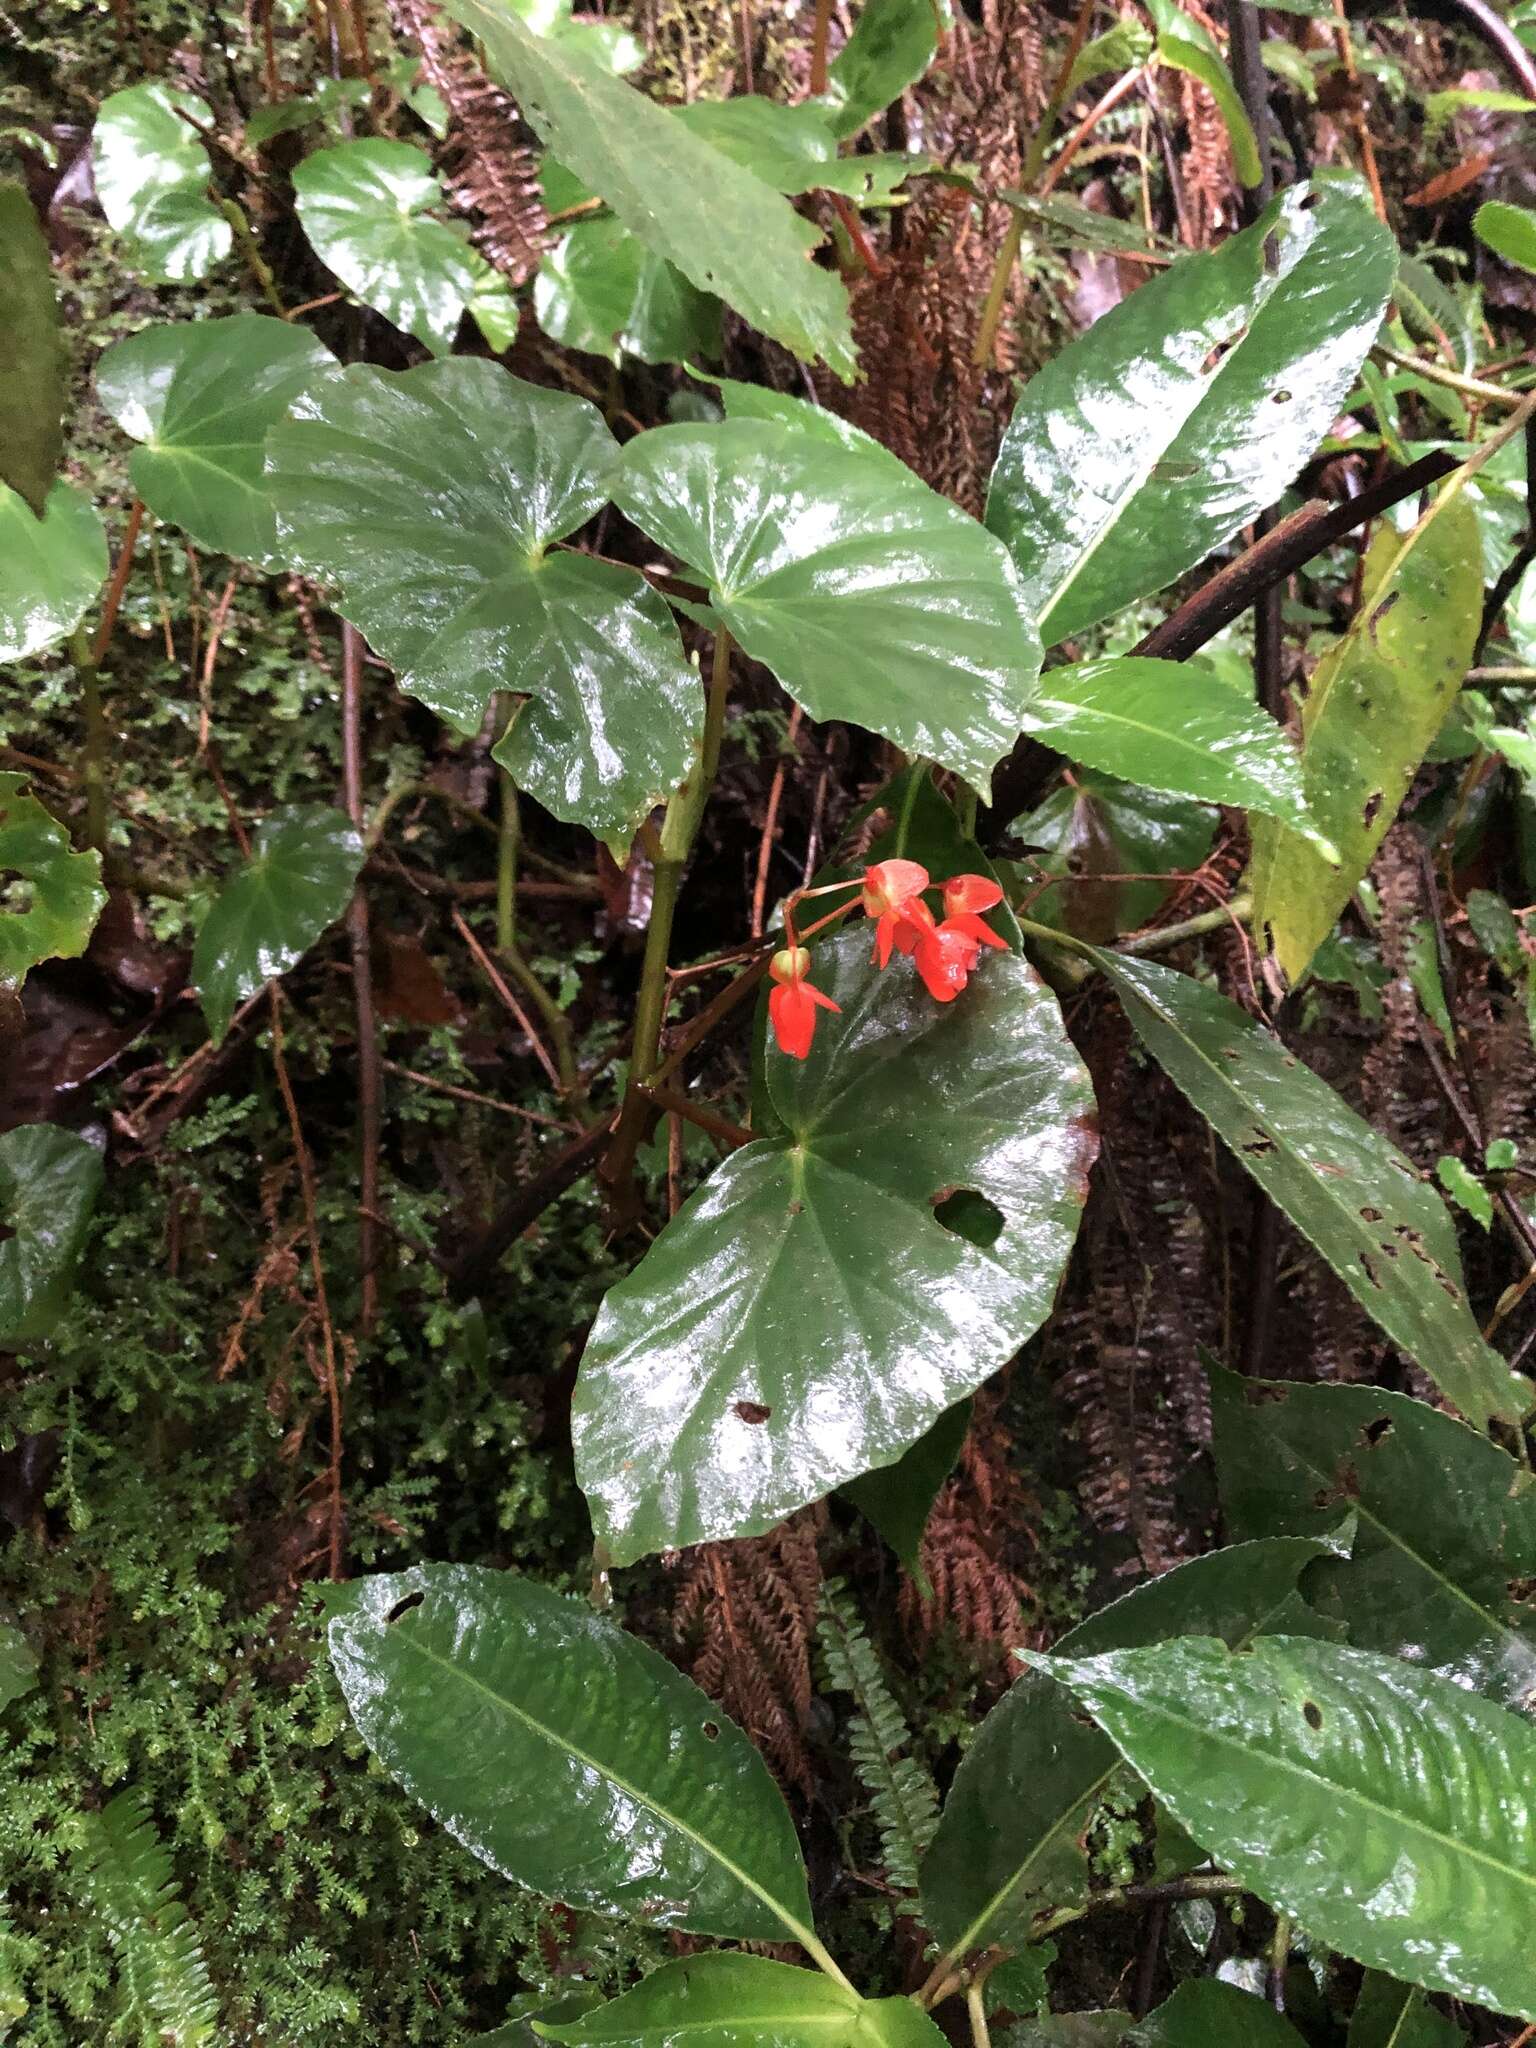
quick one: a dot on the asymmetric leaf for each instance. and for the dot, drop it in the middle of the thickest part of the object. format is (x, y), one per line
(49, 1182)
(270, 912)
(870, 597)
(731, 2001)
(1445, 1542)
(566, 1754)
(1183, 413)
(724, 229)
(1350, 1192)
(805, 1317)
(897, 1500)
(431, 497)
(151, 173)
(600, 289)
(51, 569)
(1097, 830)
(200, 396)
(33, 387)
(1390, 1812)
(63, 888)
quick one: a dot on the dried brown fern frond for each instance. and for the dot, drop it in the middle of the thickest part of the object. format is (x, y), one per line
(978, 1528)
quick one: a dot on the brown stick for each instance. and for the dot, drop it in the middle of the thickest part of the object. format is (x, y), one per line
(489, 968)
(120, 572)
(468, 1274)
(370, 1086)
(770, 824)
(701, 1114)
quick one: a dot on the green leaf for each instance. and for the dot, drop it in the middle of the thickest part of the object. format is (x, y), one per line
(805, 1317)
(870, 597)
(1389, 1811)
(431, 498)
(299, 880)
(49, 1182)
(1445, 1541)
(897, 1500)
(730, 2001)
(557, 2007)
(200, 395)
(727, 232)
(1465, 1190)
(63, 888)
(50, 569)
(1375, 703)
(1509, 231)
(1072, 2030)
(32, 390)
(600, 290)
(1434, 313)
(1392, 2015)
(1174, 726)
(1061, 221)
(18, 1666)
(1350, 1193)
(125, 1873)
(1188, 46)
(366, 208)
(1012, 1834)
(1208, 2014)
(1097, 828)
(892, 45)
(566, 1754)
(1183, 413)
(1121, 48)
(151, 174)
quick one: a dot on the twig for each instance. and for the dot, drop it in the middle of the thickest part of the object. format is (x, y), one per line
(1453, 380)
(976, 2013)
(1246, 33)
(820, 30)
(370, 1091)
(532, 1116)
(210, 661)
(121, 569)
(1360, 124)
(770, 825)
(489, 969)
(468, 1274)
(701, 1114)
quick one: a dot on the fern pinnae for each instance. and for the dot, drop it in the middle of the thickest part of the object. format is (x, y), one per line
(125, 1873)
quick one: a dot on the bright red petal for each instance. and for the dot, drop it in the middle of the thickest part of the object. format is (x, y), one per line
(944, 960)
(976, 928)
(970, 893)
(891, 884)
(793, 1017)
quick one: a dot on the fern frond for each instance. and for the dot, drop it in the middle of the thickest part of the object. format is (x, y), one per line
(902, 1797)
(125, 1873)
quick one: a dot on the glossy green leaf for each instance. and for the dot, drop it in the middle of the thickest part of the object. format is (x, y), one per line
(870, 597)
(200, 395)
(18, 1665)
(793, 149)
(1392, 2015)
(62, 888)
(897, 1500)
(566, 1754)
(1207, 2014)
(1350, 1192)
(1059, 221)
(1445, 1542)
(1121, 48)
(892, 45)
(152, 176)
(1375, 703)
(367, 210)
(1390, 1812)
(1096, 830)
(805, 1317)
(298, 881)
(1188, 46)
(600, 289)
(1011, 1836)
(51, 569)
(724, 229)
(1509, 231)
(32, 390)
(431, 498)
(731, 2001)
(1072, 2030)
(1171, 725)
(49, 1183)
(1183, 413)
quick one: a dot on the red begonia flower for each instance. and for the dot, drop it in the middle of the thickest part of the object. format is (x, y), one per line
(965, 897)
(793, 1003)
(945, 958)
(893, 896)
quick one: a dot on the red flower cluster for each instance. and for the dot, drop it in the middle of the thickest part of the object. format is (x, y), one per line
(944, 953)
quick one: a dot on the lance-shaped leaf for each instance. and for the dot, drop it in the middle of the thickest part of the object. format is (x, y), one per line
(1174, 726)
(806, 1316)
(870, 597)
(1374, 705)
(62, 888)
(727, 2001)
(33, 387)
(367, 210)
(1389, 1811)
(200, 395)
(1392, 2015)
(151, 173)
(1351, 1193)
(1011, 1836)
(270, 912)
(566, 1754)
(431, 498)
(1205, 2013)
(1445, 1540)
(600, 289)
(1183, 413)
(50, 568)
(1188, 46)
(724, 229)
(892, 45)
(49, 1182)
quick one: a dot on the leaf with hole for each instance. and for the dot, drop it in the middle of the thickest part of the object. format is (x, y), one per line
(566, 1754)
(51, 569)
(62, 891)
(1347, 1189)
(1184, 413)
(32, 391)
(870, 597)
(601, 290)
(1388, 1810)
(152, 179)
(49, 1184)
(199, 397)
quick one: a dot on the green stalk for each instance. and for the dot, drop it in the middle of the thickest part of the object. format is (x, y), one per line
(507, 841)
(93, 766)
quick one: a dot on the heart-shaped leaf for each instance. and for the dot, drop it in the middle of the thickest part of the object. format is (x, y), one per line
(601, 290)
(50, 569)
(1351, 1193)
(151, 172)
(32, 390)
(794, 149)
(49, 1182)
(870, 597)
(1182, 414)
(1389, 1811)
(431, 498)
(566, 1754)
(715, 2001)
(200, 396)
(806, 1316)
(63, 888)
(298, 881)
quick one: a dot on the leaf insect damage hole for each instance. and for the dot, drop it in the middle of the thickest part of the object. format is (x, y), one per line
(751, 1411)
(711, 1730)
(1378, 1431)
(965, 1212)
(403, 1607)
(1312, 1714)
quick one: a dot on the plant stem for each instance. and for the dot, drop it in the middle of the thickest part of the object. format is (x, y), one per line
(507, 841)
(976, 2013)
(256, 263)
(1453, 380)
(819, 32)
(93, 766)
(370, 1086)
